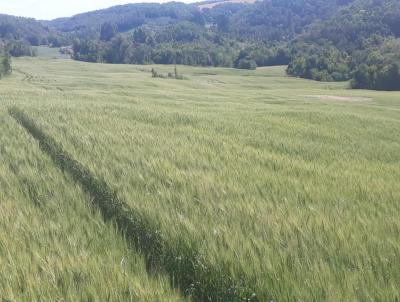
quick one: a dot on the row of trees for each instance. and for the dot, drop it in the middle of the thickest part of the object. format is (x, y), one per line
(181, 43)
(377, 77)
(375, 67)
(19, 48)
(122, 50)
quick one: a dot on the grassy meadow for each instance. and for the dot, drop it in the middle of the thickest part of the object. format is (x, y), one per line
(287, 186)
(53, 245)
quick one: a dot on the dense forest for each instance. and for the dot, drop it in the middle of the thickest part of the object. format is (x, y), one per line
(26, 29)
(359, 42)
(325, 40)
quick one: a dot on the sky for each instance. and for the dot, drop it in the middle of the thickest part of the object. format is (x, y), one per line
(51, 9)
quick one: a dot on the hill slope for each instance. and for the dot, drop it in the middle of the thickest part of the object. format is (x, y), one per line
(126, 17)
(24, 28)
(342, 46)
(324, 40)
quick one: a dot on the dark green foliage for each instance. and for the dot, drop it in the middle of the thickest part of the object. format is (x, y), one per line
(140, 36)
(349, 27)
(175, 75)
(5, 61)
(22, 33)
(88, 50)
(378, 68)
(222, 21)
(180, 43)
(245, 61)
(108, 31)
(19, 48)
(321, 64)
(181, 259)
(119, 50)
(348, 45)
(128, 17)
(182, 34)
(18, 28)
(5, 65)
(279, 20)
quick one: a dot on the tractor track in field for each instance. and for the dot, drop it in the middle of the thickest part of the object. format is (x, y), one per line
(182, 261)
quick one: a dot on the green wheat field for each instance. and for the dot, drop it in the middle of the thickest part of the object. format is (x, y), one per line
(256, 186)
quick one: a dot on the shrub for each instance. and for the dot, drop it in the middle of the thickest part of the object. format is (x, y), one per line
(378, 77)
(246, 63)
(5, 62)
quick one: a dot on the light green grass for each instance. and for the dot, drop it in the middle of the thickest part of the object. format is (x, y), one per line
(53, 245)
(50, 53)
(298, 194)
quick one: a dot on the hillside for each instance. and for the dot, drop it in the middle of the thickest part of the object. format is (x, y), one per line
(266, 20)
(359, 42)
(19, 28)
(126, 17)
(212, 4)
(326, 40)
(280, 20)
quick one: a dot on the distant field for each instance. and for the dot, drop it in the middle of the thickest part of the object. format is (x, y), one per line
(211, 4)
(287, 187)
(50, 53)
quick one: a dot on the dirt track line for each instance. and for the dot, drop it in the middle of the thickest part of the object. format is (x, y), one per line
(187, 268)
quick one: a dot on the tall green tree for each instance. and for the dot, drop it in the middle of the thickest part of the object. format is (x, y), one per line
(108, 31)
(5, 61)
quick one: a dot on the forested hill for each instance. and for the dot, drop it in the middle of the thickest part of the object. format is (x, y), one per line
(18, 28)
(326, 40)
(18, 34)
(193, 34)
(359, 42)
(274, 20)
(127, 17)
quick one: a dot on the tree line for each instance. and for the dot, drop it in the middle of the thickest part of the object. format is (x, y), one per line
(181, 43)
(324, 40)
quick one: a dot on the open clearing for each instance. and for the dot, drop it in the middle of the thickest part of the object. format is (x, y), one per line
(340, 98)
(293, 199)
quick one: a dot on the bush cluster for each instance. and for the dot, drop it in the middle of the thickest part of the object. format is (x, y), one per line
(5, 61)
